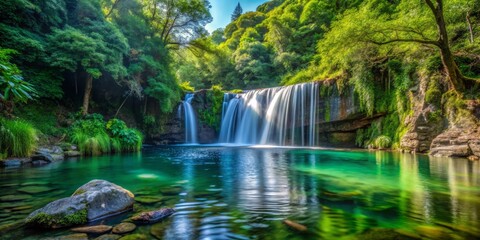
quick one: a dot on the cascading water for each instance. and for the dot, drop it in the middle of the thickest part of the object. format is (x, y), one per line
(189, 118)
(278, 116)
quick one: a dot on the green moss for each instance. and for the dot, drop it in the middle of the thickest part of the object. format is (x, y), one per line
(327, 111)
(435, 116)
(78, 192)
(236, 91)
(212, 115)
(59, 220)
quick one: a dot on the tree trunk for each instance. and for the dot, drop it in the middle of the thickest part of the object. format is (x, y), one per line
(470, 28)
(86, 95)
(457, 81)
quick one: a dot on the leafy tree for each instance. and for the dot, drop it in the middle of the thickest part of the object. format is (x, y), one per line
(23, 26)
(217, 36)
(92, 54)
(237, 12)
(177, 22)
(395, 26)
(12, 86)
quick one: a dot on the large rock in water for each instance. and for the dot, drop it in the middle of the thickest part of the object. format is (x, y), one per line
(94, 200)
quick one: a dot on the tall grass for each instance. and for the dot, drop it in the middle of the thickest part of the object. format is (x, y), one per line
(17, 138)
(94, 137)
(91, 145)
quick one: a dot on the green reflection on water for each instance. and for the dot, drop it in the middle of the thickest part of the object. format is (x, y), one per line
(246, 193)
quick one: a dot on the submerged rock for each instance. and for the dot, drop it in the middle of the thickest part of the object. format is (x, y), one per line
(296, 226)
(94, 200)
(124, 228)
(75, 236)
(34, 189)
(153, 216)
(385, 233)
(99, 229)
(108, 237)
(433, 232)
(136, 236)
(14, 198)
(148, 199)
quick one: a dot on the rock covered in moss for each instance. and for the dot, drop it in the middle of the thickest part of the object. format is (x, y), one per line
(60, 213)
(94, 200)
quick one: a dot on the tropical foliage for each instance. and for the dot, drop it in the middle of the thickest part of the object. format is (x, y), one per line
(93, 136)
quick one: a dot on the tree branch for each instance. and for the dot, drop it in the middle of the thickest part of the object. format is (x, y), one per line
(428, 42)
(113, 7)
(431, 6)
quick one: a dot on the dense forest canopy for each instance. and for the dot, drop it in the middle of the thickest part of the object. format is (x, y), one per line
(291, 41)
(155, 49)
(128, 41)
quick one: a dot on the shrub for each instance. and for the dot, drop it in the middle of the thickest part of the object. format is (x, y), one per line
(17, 138)
(93, 136)
(125, 139)
(382, 142)
(186, 86)
(90, 135)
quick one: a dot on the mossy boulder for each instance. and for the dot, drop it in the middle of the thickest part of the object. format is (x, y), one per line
(60, 213)
(95, 200)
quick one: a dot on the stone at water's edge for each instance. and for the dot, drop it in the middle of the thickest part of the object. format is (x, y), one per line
(14, 162)
(457, 142)
(94, 200)
(153, 216)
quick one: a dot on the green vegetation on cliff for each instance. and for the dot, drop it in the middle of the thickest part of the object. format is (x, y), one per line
(383, 49)
(134, 59)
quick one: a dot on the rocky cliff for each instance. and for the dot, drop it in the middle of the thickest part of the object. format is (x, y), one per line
(173, 129)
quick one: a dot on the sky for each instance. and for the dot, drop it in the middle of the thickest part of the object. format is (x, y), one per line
(222, 11)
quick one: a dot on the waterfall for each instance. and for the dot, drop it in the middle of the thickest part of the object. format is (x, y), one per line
(189, 118)
(278, 116)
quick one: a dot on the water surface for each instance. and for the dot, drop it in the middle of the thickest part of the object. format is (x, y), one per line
(246, 192)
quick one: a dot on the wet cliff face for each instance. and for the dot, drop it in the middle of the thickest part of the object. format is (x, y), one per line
(174, 130)
(422, 128)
